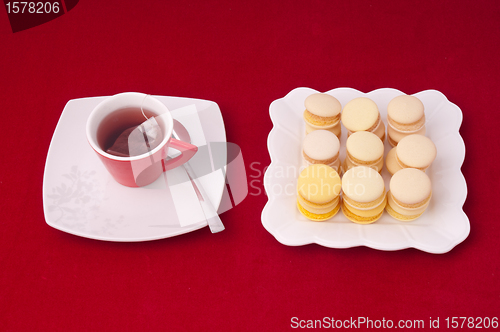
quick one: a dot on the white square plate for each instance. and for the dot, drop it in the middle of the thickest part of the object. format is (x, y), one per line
(438, 230)
(80, 197)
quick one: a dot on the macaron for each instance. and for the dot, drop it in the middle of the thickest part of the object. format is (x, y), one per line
(415, 151)
(364, 148)
(321, 147)
(322, 112)
(409, 194)
(363, 193)
(391, 162)
(318, 190)
(362, 114)
(405, 116)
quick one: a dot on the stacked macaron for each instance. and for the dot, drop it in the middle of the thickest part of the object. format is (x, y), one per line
(391, 162)
(362, 114)
(318, 190)
(405, 116)
(363, 193)
(322, 112)
(364, 149)
(409, 194)
(321, 147)
(413, 151)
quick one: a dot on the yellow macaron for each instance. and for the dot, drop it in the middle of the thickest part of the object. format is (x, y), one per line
(415, 151)
(321, 147)
(364, 197)
(322, 112)
(391, 162)
(364, 148)
(318, 189)
(409, 195)
(362, 114)
(405, 116)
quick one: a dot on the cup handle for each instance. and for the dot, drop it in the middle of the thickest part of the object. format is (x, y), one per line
(187, 152)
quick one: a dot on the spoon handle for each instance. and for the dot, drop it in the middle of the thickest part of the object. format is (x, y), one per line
(211, 215)
(213, 219)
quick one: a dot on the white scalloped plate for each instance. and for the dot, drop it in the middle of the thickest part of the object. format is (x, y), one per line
(438, 230)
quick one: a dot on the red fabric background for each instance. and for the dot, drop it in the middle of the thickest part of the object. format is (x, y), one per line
(242, 56)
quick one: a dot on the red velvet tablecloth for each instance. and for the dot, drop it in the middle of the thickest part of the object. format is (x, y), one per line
(242, 55)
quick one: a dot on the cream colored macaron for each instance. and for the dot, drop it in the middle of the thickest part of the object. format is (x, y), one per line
(322, 112)
(405, 116)
(364, 148)
(391, 162)
(409, 195)
(415, 151)
(318, 189)
(363, 193)
(362, 114)
(321, 147)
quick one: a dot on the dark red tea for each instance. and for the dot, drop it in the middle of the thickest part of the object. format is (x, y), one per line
(120, 122)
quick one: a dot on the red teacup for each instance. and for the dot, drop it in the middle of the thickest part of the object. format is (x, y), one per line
(144, 169)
